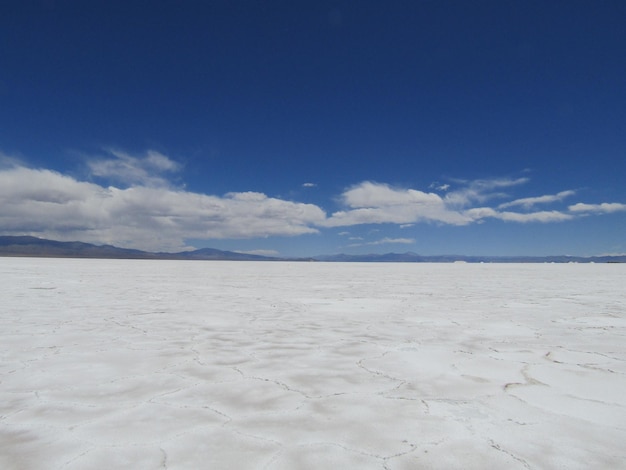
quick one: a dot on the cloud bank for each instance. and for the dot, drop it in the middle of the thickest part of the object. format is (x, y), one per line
(48, 204)
(375, 203)
(133, 204)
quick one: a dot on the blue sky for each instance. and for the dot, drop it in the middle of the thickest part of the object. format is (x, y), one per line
(303, 128)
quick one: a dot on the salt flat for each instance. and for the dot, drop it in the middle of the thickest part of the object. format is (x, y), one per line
(222, 365)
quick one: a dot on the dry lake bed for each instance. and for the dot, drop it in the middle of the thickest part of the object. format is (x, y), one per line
(241, 365)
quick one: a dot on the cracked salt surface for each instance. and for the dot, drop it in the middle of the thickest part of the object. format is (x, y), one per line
(221, 365)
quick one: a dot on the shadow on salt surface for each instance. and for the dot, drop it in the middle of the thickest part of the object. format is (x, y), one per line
(523, 436)
(438, 372)
(148, 423)
(539, 437)
(317, 456)
(199, 371)
(368, 424)
(320, 373)
(135, 457)
(196, 448)
(570, 390)
(23, 447)
(460, 452)
(63, 415)
(219, 448)
(238, 398)
(353, 305)
(60, 370)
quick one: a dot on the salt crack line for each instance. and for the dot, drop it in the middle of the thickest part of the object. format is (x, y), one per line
(284, 385)
(528, 380)
(496, 446)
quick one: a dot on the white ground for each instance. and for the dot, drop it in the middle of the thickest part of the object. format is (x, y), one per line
(234, 365)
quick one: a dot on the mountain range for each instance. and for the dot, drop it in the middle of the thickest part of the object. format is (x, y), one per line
(39, 247)
(26, 246)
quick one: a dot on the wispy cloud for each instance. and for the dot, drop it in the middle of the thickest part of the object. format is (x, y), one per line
(439, 186)
(480, 191)
(522, 217)
(309, 185)
(529, 202)
(8, 161)
(151, 169)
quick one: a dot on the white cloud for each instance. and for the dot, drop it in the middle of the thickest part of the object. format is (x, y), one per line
(479, 213)
(48, 204)
(146, 212)
(121, 167)
(8, 161)
(309, 185)
(368, 194)
(375, 203)
(528, 202)
(605, 207)
(438, 186)
(480, 191)
(386, 241)
(540, 216)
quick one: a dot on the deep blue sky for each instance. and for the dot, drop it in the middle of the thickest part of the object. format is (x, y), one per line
(308, 127)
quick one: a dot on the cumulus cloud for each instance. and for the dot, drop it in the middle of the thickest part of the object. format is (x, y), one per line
(529, 202)
(375, 203)
(48, 204)
(605, 207)
(150, 169)
(378, 203)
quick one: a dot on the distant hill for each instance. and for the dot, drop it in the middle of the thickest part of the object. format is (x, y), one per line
(410, 257)
(39, 247)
